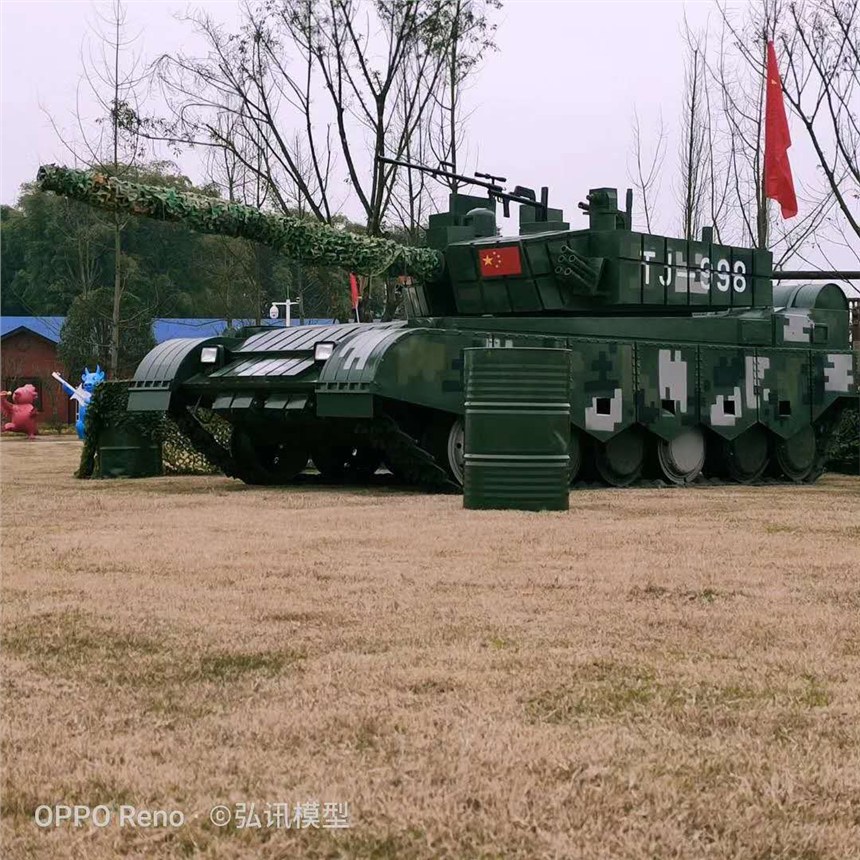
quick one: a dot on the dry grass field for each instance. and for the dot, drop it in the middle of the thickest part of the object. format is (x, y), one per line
(655, 674)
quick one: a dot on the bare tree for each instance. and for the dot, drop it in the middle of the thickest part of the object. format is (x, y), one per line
(817, 42)
(111, 141)
(646, 176)
(721, 154)
(322, 67)
(822, 50)
(231, 287)
(85, 231)
(735, 134)
(413, 195)
(466, 32)
(694, 180)
(237, 172)
(309, 93)
(719, 179)
(466, 35)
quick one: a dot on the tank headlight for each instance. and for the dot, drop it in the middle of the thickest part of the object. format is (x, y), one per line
(323, 350)
(209, 355)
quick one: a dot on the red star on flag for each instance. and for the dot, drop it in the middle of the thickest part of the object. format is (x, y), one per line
(495, 262)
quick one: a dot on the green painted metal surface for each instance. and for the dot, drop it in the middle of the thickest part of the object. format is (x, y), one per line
(164, 368)
(123, 453)
(517, 429)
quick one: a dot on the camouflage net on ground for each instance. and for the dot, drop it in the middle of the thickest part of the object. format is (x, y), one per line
(108, 408)
(310, 241)
(844, 453)
(180, 457)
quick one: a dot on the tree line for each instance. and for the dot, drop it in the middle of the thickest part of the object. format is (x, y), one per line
(59, 259)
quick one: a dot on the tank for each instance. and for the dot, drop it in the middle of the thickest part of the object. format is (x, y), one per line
(686, 363)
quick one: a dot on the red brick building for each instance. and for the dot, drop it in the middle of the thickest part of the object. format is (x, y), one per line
(31, 356)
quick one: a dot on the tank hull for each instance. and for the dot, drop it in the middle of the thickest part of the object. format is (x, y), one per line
(739, 394)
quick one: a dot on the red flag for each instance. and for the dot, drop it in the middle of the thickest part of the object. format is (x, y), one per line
(353, 289)
(778, 184)
(495, 262)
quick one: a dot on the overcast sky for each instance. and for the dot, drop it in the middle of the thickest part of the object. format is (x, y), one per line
(553, 106)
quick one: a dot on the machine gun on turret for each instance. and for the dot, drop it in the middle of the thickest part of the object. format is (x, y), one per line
(522, 195)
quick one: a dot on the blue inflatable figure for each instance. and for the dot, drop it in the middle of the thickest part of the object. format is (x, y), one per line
(83, 393)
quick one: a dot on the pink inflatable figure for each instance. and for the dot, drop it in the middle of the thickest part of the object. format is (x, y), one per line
(21, 411)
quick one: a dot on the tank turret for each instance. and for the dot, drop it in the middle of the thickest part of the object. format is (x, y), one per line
(549, 268)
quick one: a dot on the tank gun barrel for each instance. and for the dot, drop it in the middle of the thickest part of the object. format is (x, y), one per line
(312, 242)
(825, 275)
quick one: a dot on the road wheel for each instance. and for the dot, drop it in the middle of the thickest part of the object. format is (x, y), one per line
(445, 440)
(681, 459)
(797, 456)
(619, 461)
(745, 458)
(269, 463)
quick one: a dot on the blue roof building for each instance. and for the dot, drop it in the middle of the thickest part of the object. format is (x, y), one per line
(163, 329)
(46, 327)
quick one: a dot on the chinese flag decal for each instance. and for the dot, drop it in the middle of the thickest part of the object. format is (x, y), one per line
(495, 262)
(778, 184)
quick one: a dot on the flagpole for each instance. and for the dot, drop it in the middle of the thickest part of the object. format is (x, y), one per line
(354, 294)
(764, 198)
(764, 93)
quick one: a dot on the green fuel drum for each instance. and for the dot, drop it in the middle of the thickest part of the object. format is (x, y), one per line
(517, 429)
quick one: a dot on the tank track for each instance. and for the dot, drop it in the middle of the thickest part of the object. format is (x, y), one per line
(824, 431)
(417, 467)
(410, 462)
(702, 482)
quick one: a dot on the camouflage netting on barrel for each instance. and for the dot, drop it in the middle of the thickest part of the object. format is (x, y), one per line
(108, 409)
(311, 241)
